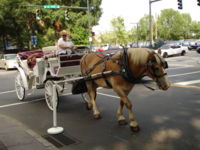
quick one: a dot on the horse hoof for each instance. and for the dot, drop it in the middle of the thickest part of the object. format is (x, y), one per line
(122, 122)
(135, 129)
(97, 116)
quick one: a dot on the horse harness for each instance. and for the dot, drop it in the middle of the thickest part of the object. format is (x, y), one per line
(125, 71)
(150, 66)
(103, 60)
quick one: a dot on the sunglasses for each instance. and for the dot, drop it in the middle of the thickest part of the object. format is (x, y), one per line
(64, 35)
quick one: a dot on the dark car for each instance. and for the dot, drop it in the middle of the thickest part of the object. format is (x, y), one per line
(198, 49)
(194, 45)
(83, 48)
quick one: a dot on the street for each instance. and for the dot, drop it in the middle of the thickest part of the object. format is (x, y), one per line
(169, 120)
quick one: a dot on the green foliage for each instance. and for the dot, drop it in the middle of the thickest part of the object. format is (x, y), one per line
(18, 22)
(143, 29)
(173, 25)
(119, 30)
(170, 25)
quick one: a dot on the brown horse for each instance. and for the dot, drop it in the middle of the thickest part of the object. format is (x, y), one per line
(127, 67)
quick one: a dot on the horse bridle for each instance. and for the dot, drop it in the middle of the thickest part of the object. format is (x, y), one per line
(150, 67)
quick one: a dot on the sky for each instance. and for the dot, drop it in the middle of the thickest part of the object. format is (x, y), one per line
(133, 10)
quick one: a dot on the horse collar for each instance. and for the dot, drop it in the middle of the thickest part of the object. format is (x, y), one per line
(125, 69)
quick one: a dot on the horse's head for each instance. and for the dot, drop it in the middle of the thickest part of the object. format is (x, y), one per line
(156, 66)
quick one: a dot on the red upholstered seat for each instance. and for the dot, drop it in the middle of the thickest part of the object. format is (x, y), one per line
(25, 55)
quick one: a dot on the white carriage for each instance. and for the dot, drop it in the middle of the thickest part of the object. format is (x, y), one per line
(48, 69)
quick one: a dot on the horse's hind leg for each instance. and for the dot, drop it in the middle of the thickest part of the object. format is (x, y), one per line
(92, 103)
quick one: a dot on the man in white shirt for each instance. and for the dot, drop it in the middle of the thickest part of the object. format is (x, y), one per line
(65, 46)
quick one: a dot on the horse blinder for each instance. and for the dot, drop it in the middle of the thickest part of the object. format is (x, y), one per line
(165, 64)
(150, 65)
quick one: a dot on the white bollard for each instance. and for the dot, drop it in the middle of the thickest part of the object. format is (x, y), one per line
(55, 129)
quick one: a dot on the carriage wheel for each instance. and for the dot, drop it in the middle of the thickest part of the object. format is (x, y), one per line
(19, 87)
(49, 94)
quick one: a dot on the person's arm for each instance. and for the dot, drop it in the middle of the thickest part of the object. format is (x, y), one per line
(73, 47)
(65, 47)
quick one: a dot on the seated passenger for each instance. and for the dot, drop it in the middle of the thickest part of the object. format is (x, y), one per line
(65, 45)
(31, 60)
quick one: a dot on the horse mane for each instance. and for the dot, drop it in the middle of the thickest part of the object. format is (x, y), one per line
(139, 56)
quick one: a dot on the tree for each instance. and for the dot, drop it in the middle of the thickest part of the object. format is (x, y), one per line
(18, 22)
(195, 30)
(119, 30)
(171, 25)
(187, 21)
(143, 28)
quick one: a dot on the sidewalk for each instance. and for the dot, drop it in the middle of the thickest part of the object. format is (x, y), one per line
(15, 136)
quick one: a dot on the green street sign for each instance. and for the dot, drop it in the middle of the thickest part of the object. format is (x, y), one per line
(51, 6)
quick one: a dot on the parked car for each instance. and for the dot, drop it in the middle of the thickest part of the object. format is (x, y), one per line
(198, 49)
(109, 47)
(84, 48)
(170, 50)
(194, 45)
(8, 61)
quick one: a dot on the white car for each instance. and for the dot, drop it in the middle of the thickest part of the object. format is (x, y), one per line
(170, 50)
(8, 61)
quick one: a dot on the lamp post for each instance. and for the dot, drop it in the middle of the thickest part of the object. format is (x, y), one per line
(150, 22)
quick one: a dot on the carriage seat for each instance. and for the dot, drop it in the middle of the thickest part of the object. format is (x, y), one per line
(25, 55)
(70, 60)
(29, 57)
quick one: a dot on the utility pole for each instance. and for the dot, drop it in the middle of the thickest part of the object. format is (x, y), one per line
(89, 25)
(150, 22)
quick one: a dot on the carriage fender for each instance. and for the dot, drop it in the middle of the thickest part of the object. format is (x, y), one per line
(23, 75)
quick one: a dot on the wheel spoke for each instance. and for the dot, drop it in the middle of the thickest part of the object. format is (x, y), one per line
(49, 94)
(20, 90)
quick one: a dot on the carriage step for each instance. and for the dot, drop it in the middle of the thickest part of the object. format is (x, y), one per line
(60, 140)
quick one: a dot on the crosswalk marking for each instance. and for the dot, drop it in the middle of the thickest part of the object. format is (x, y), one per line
(182, 74)
(188, 82)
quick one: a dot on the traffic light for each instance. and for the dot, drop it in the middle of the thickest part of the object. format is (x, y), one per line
(180, 4)
(38, 14)
(198, 2)
(66, 15)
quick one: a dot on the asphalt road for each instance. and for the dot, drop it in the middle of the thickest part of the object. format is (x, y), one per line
(169, 120)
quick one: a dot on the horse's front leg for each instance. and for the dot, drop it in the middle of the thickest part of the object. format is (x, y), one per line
(124, 100)
(120, 116)
(133, 123)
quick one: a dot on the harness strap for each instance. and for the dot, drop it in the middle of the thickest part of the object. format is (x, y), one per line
(125, 69)
(103, 62)
(99, 62)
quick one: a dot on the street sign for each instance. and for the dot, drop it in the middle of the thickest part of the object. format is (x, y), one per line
(52, 6)
(34, 40)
